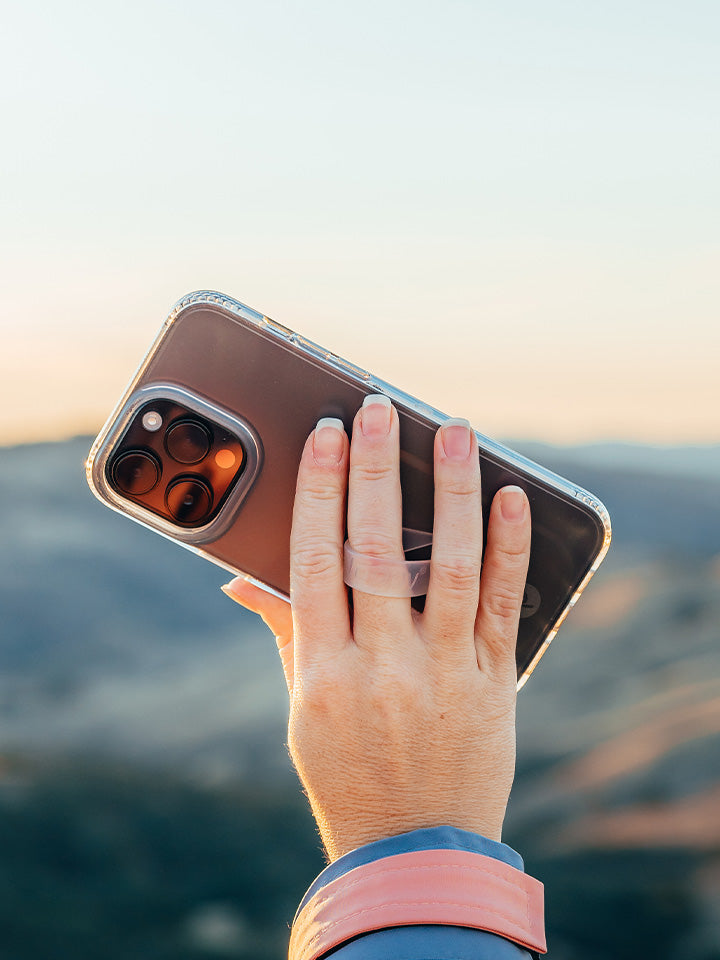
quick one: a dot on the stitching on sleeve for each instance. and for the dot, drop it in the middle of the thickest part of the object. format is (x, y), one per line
(429, 866)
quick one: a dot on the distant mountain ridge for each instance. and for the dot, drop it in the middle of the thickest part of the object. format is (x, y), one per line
(108, 633)
(693, 460)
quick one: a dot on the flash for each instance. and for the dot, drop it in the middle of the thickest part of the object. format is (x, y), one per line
(152, 421)
(225, 459)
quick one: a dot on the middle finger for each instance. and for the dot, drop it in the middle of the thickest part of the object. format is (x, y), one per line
(375, 514)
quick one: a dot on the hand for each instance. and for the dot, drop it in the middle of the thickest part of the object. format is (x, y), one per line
(399, 720)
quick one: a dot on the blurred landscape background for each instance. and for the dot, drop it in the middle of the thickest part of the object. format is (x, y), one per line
(148, 807)
(509, 211)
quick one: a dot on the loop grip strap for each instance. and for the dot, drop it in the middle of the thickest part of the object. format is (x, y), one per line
(385, 577)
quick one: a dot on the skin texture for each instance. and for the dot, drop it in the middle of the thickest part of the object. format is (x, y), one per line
(399, 720)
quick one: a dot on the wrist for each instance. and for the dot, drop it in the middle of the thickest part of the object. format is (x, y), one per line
(340, 837)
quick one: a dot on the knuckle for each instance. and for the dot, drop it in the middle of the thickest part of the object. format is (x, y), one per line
(393, 689)
(373, 470)
(320, 689)
(317, 487)
(376, 544)
(504, 600)
(314, 558)
(460, 487)
(459, 575)
(513, 553)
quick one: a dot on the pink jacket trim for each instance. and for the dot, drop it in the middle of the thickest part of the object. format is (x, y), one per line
(451, 887)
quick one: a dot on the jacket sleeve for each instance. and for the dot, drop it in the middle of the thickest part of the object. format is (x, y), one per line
(433, 894)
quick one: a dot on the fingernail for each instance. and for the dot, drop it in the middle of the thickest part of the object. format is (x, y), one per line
(512, 503)
(376, 415)
(227, 588)
(328, 441)
(455, 438)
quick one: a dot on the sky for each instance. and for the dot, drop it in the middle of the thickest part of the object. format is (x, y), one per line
(509, 210)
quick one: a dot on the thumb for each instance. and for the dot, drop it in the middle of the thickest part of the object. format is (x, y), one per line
(276, 613)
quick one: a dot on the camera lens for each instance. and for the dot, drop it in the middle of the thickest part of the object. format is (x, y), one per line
(189, 499)
(187, 441)
(136, 472)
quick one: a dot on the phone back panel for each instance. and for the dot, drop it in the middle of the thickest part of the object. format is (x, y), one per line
(281, 385)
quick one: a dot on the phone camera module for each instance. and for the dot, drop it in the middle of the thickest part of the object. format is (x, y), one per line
(188, 441)
(189, 499)
(136, 472)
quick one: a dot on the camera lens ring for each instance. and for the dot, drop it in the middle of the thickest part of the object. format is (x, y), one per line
(188, 441)
(189, 499)
(136, 472)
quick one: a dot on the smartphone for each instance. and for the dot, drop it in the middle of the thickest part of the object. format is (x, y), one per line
(204, 447)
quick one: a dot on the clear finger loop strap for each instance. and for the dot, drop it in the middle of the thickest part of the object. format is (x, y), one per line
(386, 577)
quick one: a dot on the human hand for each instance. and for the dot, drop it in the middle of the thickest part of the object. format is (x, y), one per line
(399, 720)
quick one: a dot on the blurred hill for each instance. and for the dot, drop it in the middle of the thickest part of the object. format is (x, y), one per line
(126, 676)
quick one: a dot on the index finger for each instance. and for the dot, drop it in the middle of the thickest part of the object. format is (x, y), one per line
(317, 590)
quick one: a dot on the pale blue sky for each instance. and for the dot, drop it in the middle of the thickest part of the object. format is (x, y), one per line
(509, 209)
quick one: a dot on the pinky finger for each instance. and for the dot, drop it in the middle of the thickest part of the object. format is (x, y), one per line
(276, 613)
(502, 582)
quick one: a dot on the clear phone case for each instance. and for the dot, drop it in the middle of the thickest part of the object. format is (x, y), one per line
(268, 385)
